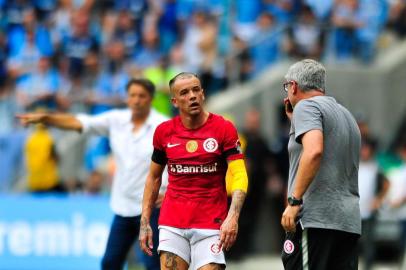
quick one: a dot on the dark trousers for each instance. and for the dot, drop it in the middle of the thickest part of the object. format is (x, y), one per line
(320, 249)
(367, 242)
(123, 233)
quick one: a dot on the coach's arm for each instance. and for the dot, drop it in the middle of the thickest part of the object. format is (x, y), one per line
(309, 165)
(59, 120)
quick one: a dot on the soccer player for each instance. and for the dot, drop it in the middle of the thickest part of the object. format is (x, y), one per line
(198, 147)
(130, 131)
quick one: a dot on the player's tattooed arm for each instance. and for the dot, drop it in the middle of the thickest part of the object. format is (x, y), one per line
(237, 202)
(229, 228)
(151, 192)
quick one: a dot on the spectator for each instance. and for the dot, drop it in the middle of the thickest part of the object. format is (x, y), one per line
(42, 162)
(397, 17)
(79, 43)
(126, 32)
(246, 15)
(14, 10)
(373, 187)
(11, 141)
(20, 36)
(373, 15)
(150, 52)
(61, 21)
(39, 88)
(110, 90)
(321, 8)
(305, 36)
(346, 21)
(265, 44)
(281, 10)
(397, 196)
(44, 9)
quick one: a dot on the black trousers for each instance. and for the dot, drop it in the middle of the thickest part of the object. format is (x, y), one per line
(123, 233)
(320, 249)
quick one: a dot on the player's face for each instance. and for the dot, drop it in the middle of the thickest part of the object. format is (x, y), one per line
(138, 100)
(188, 96)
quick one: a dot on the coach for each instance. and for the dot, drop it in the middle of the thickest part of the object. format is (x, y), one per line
(322, 218)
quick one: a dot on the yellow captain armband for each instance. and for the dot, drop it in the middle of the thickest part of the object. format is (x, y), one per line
(236, 176)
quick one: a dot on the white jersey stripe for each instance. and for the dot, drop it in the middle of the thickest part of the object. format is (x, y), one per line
(305, 251)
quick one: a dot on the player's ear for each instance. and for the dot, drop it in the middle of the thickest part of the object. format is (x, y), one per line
(174, 103)
(203, 94)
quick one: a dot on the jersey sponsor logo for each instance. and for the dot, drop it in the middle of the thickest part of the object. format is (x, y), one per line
(170, 145)
(215, 249)
(181, 169)
(210, 145)
(288, 247)
(191, 146)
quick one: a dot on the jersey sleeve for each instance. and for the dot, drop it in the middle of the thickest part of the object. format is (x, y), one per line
(96, 124)
(306, 116)
(231, 143)
(159, 154)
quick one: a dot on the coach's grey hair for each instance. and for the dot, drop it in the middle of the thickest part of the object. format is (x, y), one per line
(309, 75)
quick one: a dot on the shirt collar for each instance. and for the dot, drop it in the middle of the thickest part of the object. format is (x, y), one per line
(150, 119)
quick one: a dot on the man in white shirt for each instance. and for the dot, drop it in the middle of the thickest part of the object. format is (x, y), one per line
(130, 131)
(372, 186)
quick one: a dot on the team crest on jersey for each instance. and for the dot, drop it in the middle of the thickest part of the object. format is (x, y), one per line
(288, 247)
(191, 146)
(215, 249)
(210, 145)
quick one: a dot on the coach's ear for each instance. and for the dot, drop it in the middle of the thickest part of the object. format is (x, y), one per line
(174, 103)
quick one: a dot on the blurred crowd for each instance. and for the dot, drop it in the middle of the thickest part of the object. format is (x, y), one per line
(76, 56)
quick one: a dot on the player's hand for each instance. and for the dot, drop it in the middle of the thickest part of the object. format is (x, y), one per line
(145, 237)
(289, 218)
(228, 232)
(30, 118)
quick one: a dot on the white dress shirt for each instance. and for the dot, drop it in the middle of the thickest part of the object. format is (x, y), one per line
(132, 153)
(367, 183)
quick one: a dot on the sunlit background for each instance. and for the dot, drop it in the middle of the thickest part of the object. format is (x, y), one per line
(76, 56)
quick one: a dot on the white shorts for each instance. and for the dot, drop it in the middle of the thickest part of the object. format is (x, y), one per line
(197, 247)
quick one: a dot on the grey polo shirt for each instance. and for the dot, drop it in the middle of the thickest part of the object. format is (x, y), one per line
(332, 200)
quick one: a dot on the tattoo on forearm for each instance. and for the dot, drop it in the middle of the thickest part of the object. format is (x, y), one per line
(237, 201)
(170, 261)
(144, 226)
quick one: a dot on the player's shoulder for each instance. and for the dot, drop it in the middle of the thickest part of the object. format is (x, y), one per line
(220, 120)
(166, 125)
